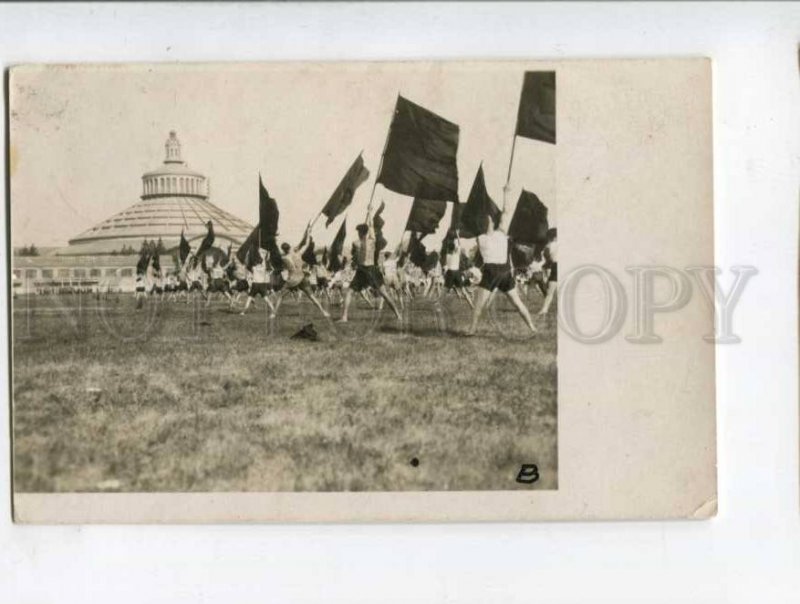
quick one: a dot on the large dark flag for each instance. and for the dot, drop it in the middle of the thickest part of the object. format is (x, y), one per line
(309, 257)
(248, 253)
(536, 117)
(529, 223)
(471, 216)
(420, 156)
(343, 195)
(208, 240)
(425, 215)
(268, 214)
(183, 249)
(337, 247)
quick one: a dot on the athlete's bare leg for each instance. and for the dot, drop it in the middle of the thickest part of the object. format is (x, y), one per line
(513, 295)
(307, 291)
(482, 297)
(385, 296)
(348, 296)
(552, 288)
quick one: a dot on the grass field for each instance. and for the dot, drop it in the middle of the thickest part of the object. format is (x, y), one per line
(213, 401)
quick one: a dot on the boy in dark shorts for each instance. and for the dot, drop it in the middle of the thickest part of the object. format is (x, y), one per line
(496, 270)
(368, 275)
(260, 286)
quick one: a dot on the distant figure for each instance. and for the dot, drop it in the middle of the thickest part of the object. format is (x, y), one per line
(454, 279)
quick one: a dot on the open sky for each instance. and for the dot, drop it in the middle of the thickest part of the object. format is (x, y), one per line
(81, 136)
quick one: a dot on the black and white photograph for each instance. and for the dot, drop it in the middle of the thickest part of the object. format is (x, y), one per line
(400, 302)
(325, 278)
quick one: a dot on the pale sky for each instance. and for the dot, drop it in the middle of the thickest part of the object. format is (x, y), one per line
(81, 137)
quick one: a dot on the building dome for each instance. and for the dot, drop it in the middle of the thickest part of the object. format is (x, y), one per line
(174, 199)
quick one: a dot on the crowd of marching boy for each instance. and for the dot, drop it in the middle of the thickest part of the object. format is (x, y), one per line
(377, 276)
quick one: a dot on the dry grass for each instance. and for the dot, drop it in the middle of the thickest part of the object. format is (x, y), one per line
(211, 401)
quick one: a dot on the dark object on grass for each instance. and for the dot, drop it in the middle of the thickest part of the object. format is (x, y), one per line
(308, 332)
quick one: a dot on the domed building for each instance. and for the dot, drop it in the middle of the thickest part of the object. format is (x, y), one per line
(174, 199)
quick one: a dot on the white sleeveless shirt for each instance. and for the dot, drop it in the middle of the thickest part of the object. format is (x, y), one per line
(494, 247)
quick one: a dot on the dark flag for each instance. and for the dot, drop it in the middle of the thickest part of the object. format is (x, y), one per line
(183, 249)
(420, 156)
(431, 260)
(275, 257)
(208, 240)
(343, 195)
(337, 247)
(425, 215)
(144, 260)
(377, 219)
(378, 223)
(417, 253)
(309, 257)
(268, 214)
(471, 215)
(304, 240)
(536, 117)
(522, 255)
(325, 256)
(248, 253)
(529, 223)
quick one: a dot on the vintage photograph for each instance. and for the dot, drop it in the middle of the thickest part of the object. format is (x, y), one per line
(284, 278)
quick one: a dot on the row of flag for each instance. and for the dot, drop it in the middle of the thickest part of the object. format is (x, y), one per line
(419, 161)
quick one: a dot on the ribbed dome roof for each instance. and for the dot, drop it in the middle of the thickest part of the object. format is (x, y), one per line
(162, 213)
(172, 169)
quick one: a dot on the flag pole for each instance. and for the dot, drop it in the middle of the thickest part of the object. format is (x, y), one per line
(383, 153)
(511, 160)
(260, 184)
(514, 141)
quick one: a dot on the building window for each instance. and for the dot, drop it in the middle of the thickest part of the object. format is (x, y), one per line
(111, 272)
(63, 273)
(126, 272)
(79, 273)
(95, 272)
(18, 273)
(31, 273)
(47, 273)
